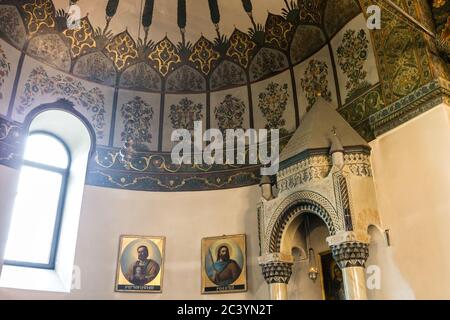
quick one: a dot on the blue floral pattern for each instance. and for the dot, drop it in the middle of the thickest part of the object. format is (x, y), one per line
(40, 83)
(183, 114)
(5, 68)
(137, 116)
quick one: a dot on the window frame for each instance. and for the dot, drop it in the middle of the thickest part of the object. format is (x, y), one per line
(65, 173)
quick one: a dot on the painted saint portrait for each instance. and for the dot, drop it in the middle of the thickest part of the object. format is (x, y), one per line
(223, 264)
(332, 281)
(140, 264)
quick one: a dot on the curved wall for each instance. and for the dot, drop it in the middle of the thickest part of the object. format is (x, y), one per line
(183, 218)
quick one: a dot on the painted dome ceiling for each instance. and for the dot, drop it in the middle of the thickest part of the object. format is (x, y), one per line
(115, 35)
(140, 69)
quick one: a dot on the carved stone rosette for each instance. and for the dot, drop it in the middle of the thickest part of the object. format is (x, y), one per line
(350, 254)
(276, 268)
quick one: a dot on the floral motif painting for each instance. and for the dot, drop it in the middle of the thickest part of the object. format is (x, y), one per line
(185, 79)
(266, 62)
(352, 54)
(51, 49)
(272, 103)
(96, 67)
(227, 74)
(137, 116)
(5, 68)
(185, 113)
(230, 113)
(315, 83)
(39, 83)
(11, 25)
(140, 76)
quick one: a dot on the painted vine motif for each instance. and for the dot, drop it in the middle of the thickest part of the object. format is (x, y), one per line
(352, 54)
(5, 68)
(363, 107)
(40, 83)
(137, 116)
(183, 114)
(273, 103)
(315, 82)
(230, 113)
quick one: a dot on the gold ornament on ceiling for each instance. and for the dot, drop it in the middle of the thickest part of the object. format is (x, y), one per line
(165, 56)
(204, 55)
(82, 39)
(122, 50)
(39, 15)
(241, 48)
(278, 32)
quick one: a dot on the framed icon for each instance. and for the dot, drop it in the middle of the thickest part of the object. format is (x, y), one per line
(331, 277)
(224, 264)
(140, 264)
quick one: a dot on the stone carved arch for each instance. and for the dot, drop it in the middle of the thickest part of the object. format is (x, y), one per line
(295, 205)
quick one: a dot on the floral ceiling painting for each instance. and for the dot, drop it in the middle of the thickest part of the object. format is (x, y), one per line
(138, 74)
(5, 68)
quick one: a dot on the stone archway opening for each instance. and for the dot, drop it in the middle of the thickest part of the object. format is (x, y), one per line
(307, 233)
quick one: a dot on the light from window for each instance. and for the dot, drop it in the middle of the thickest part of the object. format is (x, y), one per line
(34, 230)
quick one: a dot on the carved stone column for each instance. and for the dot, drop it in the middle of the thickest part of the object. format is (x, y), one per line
(351, 254)
(277, 270)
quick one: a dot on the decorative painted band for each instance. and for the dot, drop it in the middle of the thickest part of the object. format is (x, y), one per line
(10, 143)
(414, 104)
(173, 182)
(151, 172)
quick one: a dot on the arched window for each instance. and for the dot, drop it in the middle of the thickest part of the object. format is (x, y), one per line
(38, 208)
(47, 208)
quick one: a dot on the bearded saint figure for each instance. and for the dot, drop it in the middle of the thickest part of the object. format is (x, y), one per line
(224, 271)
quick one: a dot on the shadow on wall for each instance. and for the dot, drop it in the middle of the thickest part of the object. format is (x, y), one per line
(390, 284)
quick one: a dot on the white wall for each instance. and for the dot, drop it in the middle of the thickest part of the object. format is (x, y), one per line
(183, 218)
(8, 182)
(412, 179)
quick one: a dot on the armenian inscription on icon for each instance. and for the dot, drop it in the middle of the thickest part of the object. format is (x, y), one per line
(140, 264)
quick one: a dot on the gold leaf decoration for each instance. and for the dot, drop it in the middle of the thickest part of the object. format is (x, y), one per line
(82, 39)
(165, 56)
(241, 48)
(278, 32)
(204, 55)
(39, 15)
(122, 50)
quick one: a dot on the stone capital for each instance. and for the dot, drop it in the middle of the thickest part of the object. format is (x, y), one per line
(275, 257)
(276, 267)
(350, 254)
(348, 236)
